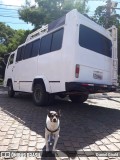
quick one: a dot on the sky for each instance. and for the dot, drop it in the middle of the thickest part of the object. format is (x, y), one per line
(9, 14)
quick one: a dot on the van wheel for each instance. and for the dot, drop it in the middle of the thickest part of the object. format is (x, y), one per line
(78, 98)
(40, 96)
(11, 92)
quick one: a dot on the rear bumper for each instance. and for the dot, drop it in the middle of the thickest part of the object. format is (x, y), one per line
(89, 88)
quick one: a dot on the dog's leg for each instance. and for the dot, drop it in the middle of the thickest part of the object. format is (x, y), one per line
(49, 138)
(46, 140)
(55, 142)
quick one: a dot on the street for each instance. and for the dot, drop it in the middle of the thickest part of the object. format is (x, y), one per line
(91, 126)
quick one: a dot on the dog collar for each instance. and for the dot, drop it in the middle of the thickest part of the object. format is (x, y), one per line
(54, 130)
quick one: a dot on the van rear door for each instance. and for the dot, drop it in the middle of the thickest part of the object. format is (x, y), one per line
(94, 56)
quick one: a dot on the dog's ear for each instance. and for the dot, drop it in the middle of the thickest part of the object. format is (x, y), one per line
(48, 113)
(59, 113)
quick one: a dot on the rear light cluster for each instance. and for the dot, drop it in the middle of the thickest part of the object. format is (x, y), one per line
(77, 70)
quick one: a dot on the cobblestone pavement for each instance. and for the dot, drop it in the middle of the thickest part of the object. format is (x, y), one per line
(92, 126)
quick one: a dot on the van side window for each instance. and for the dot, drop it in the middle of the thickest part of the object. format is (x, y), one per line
(45, 44)
(27, 51)
(35, 48)
(11, 59)
(57, 40)
(20, 53)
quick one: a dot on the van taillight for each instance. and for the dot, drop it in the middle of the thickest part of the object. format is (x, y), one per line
(77, 70)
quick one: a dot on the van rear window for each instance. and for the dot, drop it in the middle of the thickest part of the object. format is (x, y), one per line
(92, 40)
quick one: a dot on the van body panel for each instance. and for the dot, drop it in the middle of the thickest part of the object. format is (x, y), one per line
(57, 67)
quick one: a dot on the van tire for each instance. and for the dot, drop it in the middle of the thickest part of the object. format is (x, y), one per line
(78, 98)
(11, 92)
(40, 96)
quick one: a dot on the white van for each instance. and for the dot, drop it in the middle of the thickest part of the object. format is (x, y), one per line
(71, 56)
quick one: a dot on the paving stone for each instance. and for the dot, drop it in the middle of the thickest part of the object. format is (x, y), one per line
(15, 140)
(6, 142)
(26, 137)
(13, 146)
(2, 133)
(42, 140)
(32, 133)
(11, 132)
(19, 135)
(112, 147)
(74, 158)
(83, 158)
(3, 148)
(92, 158)
(76, 144)
(106, 141)
(95, 147)
(12, 129)
(31, 149)
(1, 137)
(24, 142)
(67, 143)
(5, 128)
(118, 145)
(32, 138)
(40, 145)
(23, 148)
(25, 132)
(99, 142)
(31, 158)
(69, 148)
(116, 136)
(103, 148)
(32, 143)
(112, 139)
(103, 158)
(60, 146)
(20, 158)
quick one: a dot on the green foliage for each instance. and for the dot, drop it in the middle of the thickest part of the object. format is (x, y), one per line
(49, 10)
(5, 33)
(3, 49)
(100, 17)
(10, 39)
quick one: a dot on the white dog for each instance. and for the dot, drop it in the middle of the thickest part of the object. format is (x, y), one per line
(52, 128)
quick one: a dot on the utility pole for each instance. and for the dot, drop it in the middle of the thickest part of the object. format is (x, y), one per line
(84, 5)
(108, 12)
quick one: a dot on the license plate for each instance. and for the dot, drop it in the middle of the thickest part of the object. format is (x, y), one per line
(98, 75)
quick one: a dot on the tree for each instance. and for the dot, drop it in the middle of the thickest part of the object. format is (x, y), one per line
(5, 33)
(10, 39)
(49, 10)
(106, 15)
